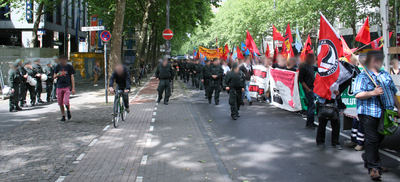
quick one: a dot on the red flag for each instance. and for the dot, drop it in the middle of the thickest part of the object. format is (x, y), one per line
(347, 52)
(276, 35)
(363, 34)
(287, 44)
(378, 43)
(307, 49)
(239, 53)
(251, 45)
(267, 52)
(330, 49)
(275, 54)
(197, 55)
(225, 52)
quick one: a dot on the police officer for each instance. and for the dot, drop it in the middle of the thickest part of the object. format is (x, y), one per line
(49, 71)
(14, 80)
(31, 73)
(164, 73)
(234, 83)
(197, 73)
(22, 86)
(216, 73)
(38, 69)
(206, 77)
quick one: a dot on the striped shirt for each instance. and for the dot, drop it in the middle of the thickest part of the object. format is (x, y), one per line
(371, 106)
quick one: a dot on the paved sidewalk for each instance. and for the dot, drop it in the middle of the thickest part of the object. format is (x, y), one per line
(117, 153)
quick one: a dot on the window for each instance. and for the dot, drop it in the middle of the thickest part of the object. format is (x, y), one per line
(4, 12)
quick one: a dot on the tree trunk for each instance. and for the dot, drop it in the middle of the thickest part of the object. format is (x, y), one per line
(154, 49)
(143, 30)
(39, 12)
(116, 40)
(148, 53)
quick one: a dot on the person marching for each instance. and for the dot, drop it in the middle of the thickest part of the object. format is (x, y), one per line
(29, 85)
(375, 91)
(164, 73)
(49, 71)
(14, 80)
(247, 69)
(205, 73)
(216, 73)
(234, 83)
(197, 68)
(38, 89)
(64, 73)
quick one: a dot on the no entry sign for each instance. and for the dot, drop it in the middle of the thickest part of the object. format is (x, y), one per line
(167, 34)
(105, 36)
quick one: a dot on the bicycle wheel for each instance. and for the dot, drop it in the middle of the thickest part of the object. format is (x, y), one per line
(122, 112)
(116, 114)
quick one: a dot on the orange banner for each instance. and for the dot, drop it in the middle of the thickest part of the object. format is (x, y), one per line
(211, 53)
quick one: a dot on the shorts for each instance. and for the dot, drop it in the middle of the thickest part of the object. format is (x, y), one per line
(63, 96)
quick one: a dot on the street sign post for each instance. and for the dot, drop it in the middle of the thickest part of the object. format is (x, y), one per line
(92, 28)
(105, 37)
(167, 34)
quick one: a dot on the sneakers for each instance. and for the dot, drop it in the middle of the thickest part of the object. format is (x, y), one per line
(69, 115)
(338, 147)
(234, 117)
(63, 119)
(165, 103)
(19, 108)
(127, 110)
(358, 148)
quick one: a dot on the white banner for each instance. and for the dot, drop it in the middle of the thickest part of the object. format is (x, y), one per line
(285, 89)
(259, 82)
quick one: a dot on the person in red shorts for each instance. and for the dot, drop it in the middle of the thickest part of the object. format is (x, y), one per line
(64, 73)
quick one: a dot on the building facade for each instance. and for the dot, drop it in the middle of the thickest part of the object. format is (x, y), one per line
(59, 27)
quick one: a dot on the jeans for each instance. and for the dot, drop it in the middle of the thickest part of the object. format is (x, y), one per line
(373, 140)
(125, 98)
(310, 108)
(323, 119)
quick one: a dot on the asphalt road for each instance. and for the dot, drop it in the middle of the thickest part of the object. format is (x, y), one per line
(270, 144)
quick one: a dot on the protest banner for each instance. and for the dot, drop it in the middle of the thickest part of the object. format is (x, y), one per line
(259, 81)
(284, 89)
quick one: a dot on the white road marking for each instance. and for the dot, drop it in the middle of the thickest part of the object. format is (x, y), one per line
(139, 179)
(380, 150)
(156, 104)
(80, 157)
(75, 162)
(106, 128)
(60, 179)
(154, 113)
(151, 128)
(148, 142)
(153, 120)
(155, 108)
(144, 160)
(93, 142)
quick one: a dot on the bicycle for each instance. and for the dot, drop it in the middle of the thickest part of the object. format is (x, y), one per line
(119, 109)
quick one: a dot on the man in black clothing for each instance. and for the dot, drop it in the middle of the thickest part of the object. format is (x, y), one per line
(206, 77)
(234, 83)
(31, 88)
(122, 78)
(164, 73)
(38, 69)
(22, 87)
(306, 79)
(216, 73)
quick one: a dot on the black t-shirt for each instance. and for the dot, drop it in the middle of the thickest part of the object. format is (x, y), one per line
(64, 75)
(306, 75)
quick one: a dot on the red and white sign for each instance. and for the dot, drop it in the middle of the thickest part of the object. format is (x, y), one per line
(105, 36)
(167, 34)
(284, 89)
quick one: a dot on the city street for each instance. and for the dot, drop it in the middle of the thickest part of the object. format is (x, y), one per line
(190, 140)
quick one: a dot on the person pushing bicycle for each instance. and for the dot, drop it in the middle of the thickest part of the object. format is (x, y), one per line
(121, 76)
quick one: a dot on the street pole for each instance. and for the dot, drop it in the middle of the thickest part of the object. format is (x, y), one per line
(105, 71)
(167, 23)
(385, 30)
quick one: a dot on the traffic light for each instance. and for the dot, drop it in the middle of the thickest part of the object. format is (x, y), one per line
(29, 11)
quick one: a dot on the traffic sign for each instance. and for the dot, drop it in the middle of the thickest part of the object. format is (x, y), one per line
(105, 36)
(92, 28)
(167, 34)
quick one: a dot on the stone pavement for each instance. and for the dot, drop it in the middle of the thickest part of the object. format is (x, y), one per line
(155, 143)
